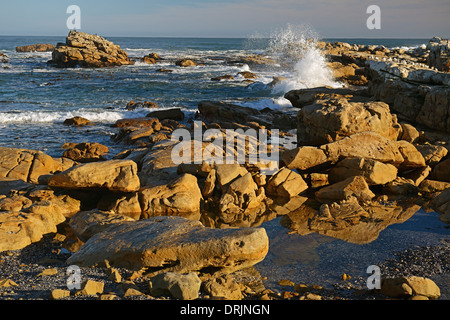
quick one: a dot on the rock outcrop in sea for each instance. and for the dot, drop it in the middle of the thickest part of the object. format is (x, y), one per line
(90, 51)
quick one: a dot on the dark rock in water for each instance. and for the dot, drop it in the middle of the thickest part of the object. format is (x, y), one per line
(91, 51)
(36, 48)
(224, 77)
(136, 105)
(173, 114)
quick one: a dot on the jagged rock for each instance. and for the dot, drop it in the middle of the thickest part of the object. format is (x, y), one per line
(241, 201)
(114, 175)
(90, 51)
(439, 56)
(155, 243)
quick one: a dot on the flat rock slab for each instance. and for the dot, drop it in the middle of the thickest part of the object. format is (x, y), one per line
(114, 175)
(174, 244)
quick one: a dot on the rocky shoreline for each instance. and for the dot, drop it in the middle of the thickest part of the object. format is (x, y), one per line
(141, 225)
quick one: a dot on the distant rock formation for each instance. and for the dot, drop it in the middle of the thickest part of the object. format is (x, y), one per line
(36, 48)
(89, 51)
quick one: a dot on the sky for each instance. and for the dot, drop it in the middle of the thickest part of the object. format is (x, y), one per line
(231, 18)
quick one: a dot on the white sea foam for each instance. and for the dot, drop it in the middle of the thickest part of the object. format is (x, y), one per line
(100, 116)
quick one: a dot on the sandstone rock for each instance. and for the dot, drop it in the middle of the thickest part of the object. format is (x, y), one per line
(223, 287)
(124, 204)
(248, 75)
(174, 244)
(114, 175)
(352, 187)
(441, 203)
(333, 119)
(432, 154)
(226, 173)
(139, 122)
(179, 286)
(241, 201)
(304, 158)
(86, 224)
(409, 286)
(224, 77)
(132, 105)
(368, 145)
(373, 171)
(26, 165)
(286, 183)
(86, 152)
(185, 63)
(57, 294)
(77, 121)
(18, 229)
(181, 197)
(442, 171)
(210, 184)
(91, 287)
(431, 186)
(412, 157)
(86, 50)
(409, 133)
(402, 186)
(36, 48)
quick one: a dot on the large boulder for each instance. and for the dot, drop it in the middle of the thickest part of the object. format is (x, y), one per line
(174, 244)
(29, 165)
(114, 175)
(19, 229)
(329, 120)
(86, 50)
(182, 197)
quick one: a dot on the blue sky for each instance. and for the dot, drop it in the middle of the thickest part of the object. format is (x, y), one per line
(232, 18)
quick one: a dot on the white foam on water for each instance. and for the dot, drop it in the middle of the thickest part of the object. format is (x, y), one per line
(99, 116)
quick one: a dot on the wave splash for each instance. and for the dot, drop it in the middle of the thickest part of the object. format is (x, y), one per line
(296, 48)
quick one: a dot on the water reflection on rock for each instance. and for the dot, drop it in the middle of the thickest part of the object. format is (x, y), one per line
(348, 220)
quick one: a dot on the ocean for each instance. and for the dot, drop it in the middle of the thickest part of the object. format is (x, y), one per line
(35, 98)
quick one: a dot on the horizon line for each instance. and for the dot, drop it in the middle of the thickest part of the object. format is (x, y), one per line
(222, 37)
